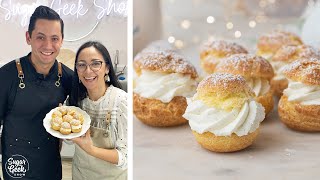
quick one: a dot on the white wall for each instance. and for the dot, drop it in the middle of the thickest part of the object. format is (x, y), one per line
(111, 31)
(146, 23)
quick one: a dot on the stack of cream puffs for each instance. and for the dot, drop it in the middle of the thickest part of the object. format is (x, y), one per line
(256, 70)
(213, 51)
(163, 81)
(66, 120)
(286, 55)
(223, 114)
(299, 106)
(270, 43)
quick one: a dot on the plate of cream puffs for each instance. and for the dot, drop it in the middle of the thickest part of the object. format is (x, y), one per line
(67, 122)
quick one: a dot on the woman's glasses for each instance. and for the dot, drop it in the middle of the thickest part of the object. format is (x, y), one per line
(94, 66)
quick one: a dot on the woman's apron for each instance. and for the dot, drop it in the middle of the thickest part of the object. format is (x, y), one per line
(29, 151)
(87, 167)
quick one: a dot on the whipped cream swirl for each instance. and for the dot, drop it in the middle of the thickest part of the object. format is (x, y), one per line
(278, 67)
(240, 121)
(259, 86)
(303, 93)
(164, 86)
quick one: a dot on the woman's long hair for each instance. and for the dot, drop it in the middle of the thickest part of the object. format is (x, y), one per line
(79, 91)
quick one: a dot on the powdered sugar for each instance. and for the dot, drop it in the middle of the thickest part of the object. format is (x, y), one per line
(218, 79)
(224, 46)
(308, 69)
(238, 60)
(290, 53)
(165, 61)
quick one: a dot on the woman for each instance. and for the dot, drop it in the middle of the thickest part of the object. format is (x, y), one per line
(102, 152)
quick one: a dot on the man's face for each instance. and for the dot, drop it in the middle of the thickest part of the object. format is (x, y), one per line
(45, 40)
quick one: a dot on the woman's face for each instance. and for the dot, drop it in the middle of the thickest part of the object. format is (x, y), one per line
(91, 68)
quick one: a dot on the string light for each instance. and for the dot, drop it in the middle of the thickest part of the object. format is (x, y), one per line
(262, 3)
(229, 25)
(261, 18)
(171, 39)
(185, 24)
(237, 34)
(252, 24)
(272, 1)
(210, 19)
(179, 44)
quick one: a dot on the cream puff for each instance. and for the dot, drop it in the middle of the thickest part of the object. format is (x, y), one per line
(285, 55)
(56, 114)
(299, 106)
(75, 126)
(269, 43)
(164, 80)
(71, 112)
(56, 123)
(63, 110)
(223, 114)
(67, 118)
(213, 51)
(65, 128)
(79, 116)
(256, 70)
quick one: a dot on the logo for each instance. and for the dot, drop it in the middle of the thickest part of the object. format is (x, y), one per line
(17, 166)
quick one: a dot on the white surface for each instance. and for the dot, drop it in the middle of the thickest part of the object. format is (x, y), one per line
(85, 125)
(173, 153)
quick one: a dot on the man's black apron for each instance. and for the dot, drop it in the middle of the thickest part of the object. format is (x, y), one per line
(29, 152)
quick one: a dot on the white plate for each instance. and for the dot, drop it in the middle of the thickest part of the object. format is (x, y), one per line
(85, 126)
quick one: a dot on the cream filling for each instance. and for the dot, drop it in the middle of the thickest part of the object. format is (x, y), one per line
(278, 69)
(303, 93)
(76, 127)
(240, 121)
(163, 86)
(260, 86)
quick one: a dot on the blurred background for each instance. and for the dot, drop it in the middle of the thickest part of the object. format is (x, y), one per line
(187, 23)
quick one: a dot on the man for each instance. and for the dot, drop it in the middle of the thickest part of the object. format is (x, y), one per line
(30, 87)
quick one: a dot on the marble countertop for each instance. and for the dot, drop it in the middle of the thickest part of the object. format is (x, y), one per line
(173, 153)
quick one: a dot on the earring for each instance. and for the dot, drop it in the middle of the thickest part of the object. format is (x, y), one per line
(79, 81)
(107, 78)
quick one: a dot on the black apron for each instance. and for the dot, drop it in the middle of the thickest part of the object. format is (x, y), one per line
(29, 152)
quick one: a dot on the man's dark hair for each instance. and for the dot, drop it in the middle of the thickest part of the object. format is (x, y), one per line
(44, 12)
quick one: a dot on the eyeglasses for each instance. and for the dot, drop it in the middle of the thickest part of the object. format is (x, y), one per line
(94, 66)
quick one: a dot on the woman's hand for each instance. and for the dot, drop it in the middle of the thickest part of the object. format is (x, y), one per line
(85, 142)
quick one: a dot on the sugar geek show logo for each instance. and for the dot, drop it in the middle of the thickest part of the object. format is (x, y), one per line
(17, 166)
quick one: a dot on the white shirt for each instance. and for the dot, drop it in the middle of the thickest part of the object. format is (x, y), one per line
(97, 112)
